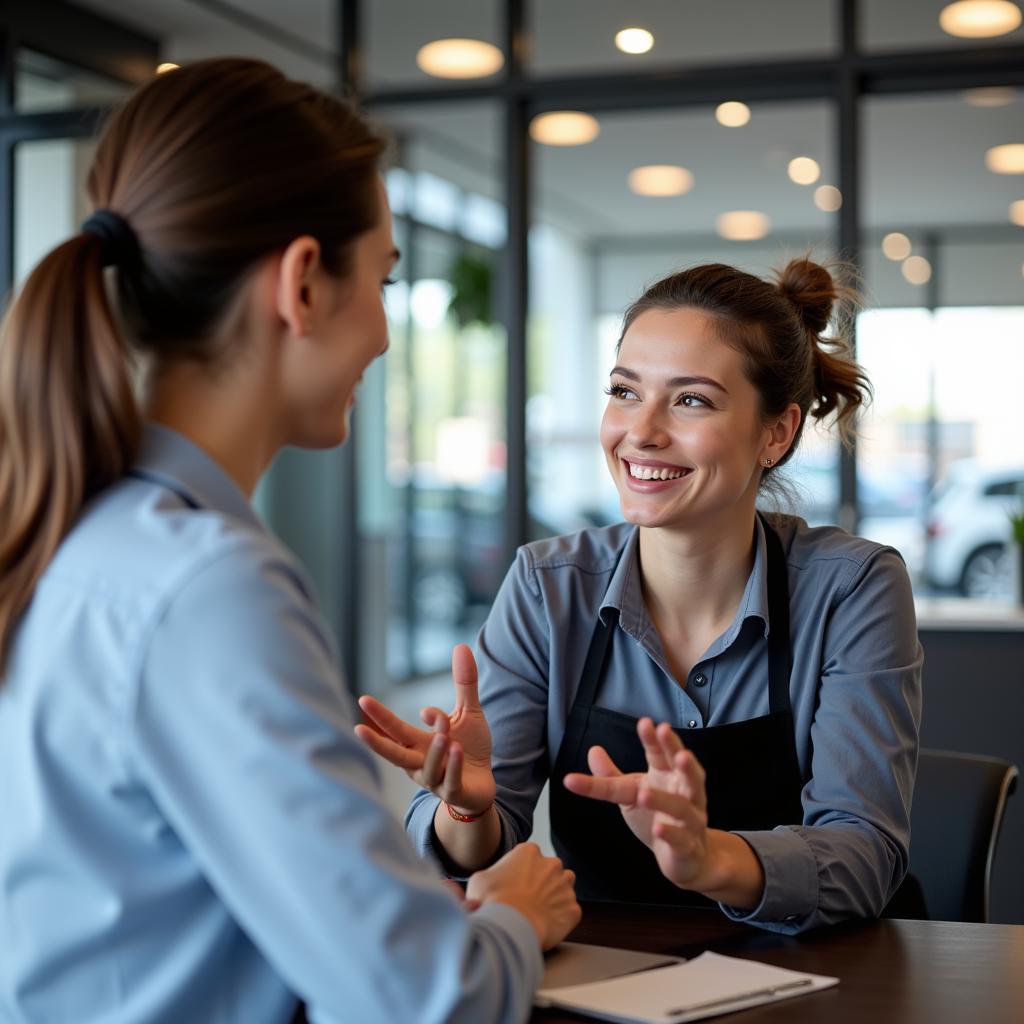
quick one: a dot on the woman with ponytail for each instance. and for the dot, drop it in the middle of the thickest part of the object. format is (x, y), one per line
(188, 829)
(780, 661)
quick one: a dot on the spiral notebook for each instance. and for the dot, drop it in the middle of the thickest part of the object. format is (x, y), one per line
(705, 986)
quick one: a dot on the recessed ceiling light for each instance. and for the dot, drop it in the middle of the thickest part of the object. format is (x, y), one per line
(742, 225)
(1017, 212)
(564, 128)
(660, 180)
(997, 96)
(803, 170)
(896, 246)
(459, 58)
(828, 198)
(1008, 159)
(917, 270)
(732, 114)
(166, 66)
(979, 19)
(634, 40)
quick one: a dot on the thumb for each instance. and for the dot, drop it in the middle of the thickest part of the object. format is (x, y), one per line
(465, 676)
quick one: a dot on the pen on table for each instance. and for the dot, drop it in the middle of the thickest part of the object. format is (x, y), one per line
(740, 996)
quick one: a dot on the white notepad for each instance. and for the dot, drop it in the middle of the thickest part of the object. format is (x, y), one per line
(708, 985)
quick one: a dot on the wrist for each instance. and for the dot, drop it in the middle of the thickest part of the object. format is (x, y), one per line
(464, 816)
(732, 872)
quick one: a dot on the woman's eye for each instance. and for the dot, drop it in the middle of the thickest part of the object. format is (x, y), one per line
(387, 281)
(618, 391)
(694, 401)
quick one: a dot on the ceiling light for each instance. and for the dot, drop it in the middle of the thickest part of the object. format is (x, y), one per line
(979, 19)
(896, 246)
(917, 270)
(1008, 159)
(660, 180)
(634, 40)
(732, 114)
(828, 198)
(742, 225)
(166, 66)
(803, 170)
(564, 128)
(996, 96)
(459, 58)
(1017, 212)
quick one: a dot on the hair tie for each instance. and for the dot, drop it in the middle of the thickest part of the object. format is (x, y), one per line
(120, 245)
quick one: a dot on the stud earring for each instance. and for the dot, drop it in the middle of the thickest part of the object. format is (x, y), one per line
(768, 463)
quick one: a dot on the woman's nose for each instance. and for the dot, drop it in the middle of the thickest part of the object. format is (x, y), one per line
(647, 429)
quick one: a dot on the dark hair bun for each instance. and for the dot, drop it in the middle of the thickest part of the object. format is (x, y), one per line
(812, 292)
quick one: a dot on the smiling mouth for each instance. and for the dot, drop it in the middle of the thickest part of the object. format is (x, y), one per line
(640, 472)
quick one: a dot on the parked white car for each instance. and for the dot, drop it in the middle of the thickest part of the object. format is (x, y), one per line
(969, 529)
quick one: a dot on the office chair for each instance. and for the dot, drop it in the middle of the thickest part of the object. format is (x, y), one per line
(959, 800)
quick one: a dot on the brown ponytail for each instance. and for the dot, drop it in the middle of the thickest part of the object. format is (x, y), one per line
(780, 331)
(209, 168)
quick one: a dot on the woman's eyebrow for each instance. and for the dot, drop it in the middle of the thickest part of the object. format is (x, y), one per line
(673, 382)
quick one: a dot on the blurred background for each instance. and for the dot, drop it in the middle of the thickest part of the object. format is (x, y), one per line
(548, 160)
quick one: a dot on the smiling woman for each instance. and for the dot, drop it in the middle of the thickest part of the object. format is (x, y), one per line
(781, 661)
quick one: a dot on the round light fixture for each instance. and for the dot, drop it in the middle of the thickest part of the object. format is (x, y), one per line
(828, 198)
(979, 19)
(1008, 159)
(803, 170)
(917, 270)
(564, 128)
(167, 65)
(1017, 212)
(742, 225)
(634, 40)
(896, 246)
(732, 114)
(660, 180)
(996, 96)
(459, 58)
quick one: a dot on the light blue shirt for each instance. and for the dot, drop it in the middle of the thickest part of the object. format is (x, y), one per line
(855, 691)
(189, 831)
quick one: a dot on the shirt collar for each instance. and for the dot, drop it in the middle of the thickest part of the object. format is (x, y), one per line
(171, 459)
(625, 595)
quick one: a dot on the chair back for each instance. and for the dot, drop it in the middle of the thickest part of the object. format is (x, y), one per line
(959, 801)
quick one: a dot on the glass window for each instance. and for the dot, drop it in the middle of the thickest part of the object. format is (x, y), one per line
(581, 35)
(915, 25)
(595, 244)
(45, 83)
(942, 340)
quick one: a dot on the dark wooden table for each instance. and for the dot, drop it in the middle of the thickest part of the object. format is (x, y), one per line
(890, 972)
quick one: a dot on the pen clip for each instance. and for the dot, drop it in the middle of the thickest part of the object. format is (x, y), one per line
(770, 990)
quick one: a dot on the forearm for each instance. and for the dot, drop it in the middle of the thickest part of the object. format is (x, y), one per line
(469, 845)
(734, 875)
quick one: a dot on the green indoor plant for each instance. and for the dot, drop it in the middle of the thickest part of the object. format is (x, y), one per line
(1017, 551)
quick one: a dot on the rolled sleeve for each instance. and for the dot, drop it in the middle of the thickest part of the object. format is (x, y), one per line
(244, 736)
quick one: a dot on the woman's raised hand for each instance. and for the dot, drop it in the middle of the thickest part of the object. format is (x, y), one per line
(665, 807)
(452, 757)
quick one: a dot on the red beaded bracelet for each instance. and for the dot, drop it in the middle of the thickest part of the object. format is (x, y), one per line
(466, 817)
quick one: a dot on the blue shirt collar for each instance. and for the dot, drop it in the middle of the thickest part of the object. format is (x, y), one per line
(177, 463)
(625, 594)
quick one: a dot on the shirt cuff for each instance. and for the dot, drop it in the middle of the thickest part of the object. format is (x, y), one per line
(790, 878)
(521, 931)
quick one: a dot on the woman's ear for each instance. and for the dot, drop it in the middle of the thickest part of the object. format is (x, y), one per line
(295, 294)
(781, 434)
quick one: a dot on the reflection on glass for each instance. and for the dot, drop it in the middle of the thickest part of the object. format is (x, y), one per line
(45, 83)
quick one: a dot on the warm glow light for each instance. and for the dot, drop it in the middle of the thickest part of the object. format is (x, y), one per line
(917, 270)
(564, 128)
(1008, 159)
(828, 198)
(996, 96)
(896, 246)
(979, 19)
(1017, 212)
(803, 170)
(732, 114)
(166, 66)
(660, 180)
(634, 40)
(742, 225)
(459, 58)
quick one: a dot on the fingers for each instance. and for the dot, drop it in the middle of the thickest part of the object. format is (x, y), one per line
(622, 789)
(435, 761)
(464, 675)
(435, 719)
(654, 749)
(673, 805)
(601, 764)
(385, 721)
(403, 757)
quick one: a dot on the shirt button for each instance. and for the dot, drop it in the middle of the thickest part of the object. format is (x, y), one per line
(692, 723)
(699, 679)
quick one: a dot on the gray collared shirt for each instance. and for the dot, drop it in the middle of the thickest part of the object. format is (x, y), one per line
(855, 691)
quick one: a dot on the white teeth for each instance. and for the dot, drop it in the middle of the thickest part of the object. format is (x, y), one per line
(648, 473)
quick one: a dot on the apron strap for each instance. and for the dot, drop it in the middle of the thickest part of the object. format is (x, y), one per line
(780, 652)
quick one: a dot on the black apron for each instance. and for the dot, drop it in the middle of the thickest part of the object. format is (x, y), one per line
(753, 774)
